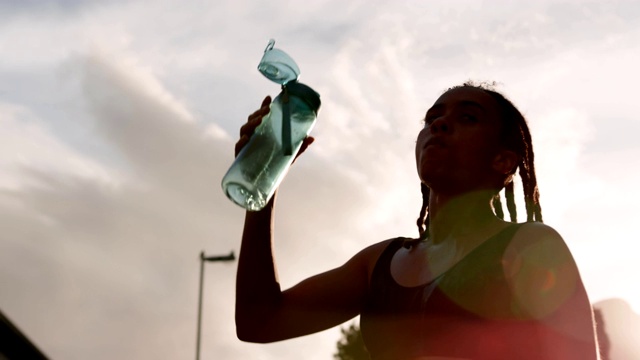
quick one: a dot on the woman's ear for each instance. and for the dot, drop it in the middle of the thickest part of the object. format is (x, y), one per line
(505, 162)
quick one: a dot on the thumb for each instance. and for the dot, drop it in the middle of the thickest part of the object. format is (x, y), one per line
(305, 144)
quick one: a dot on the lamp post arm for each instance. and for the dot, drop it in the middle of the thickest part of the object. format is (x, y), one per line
(229, 257)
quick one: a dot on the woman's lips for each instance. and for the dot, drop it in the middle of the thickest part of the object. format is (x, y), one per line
(435, 141)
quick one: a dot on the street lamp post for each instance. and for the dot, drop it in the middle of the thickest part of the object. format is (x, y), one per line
(204, 258)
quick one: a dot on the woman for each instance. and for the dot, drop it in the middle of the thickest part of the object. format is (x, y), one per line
(472, 286)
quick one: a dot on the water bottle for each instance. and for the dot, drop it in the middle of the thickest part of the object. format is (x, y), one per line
(261, 165)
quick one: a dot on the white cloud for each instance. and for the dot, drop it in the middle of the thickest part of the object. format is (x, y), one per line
(167, 89)
(113, 253)
(26, 143)
(560, 138)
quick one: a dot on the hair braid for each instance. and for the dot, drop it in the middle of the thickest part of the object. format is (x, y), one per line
(497, 206)
(424, 189)
(511, 204)
(423, 220)
(528, 176)
(517, 137)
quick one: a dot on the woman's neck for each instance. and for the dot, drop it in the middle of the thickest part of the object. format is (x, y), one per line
(459, 215)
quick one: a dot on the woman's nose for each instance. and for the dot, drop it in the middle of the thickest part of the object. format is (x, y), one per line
(440, 125)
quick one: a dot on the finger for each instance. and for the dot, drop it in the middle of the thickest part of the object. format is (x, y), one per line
(305, 144)
(241, 144)
(264, 108)
(254, 121)
(258, 113)
(309, 140)
(266, 101)
(250, 127)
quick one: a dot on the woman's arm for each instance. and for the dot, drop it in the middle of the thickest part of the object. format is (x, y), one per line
(264, 313)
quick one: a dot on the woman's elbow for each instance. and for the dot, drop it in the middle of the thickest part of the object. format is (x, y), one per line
(252, 329)
(258, 336)
(247, 335)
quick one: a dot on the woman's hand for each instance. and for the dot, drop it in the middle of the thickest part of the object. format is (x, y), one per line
(254, 120)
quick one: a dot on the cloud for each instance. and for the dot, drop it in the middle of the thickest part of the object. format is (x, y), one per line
(121, 260)
(115, 254)
(101, 247)
(25, 143)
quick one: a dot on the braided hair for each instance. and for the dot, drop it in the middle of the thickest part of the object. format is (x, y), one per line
(516, 137)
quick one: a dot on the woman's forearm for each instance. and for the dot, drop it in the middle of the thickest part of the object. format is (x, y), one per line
(257, 287)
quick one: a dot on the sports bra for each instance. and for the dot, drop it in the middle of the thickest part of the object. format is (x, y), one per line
(468, 312)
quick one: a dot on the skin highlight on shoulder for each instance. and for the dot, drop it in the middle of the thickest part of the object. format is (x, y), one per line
(540, 269)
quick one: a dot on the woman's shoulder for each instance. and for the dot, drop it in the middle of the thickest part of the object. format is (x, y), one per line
(375, 250)
(369, 256)
(536, 226)
(546, 283)
(538, 259)
(536, 234)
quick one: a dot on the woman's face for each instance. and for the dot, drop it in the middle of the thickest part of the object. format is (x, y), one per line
(457, 148)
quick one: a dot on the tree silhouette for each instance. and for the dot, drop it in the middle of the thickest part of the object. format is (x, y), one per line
(351, 346)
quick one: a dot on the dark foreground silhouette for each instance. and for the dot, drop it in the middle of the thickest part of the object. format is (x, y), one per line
(14, 344)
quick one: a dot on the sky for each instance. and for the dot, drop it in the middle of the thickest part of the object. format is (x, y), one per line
(118, 120)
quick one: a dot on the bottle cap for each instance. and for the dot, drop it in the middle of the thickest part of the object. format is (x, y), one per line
(277, 66)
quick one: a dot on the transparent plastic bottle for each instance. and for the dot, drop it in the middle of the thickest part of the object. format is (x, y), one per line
(261, 165)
